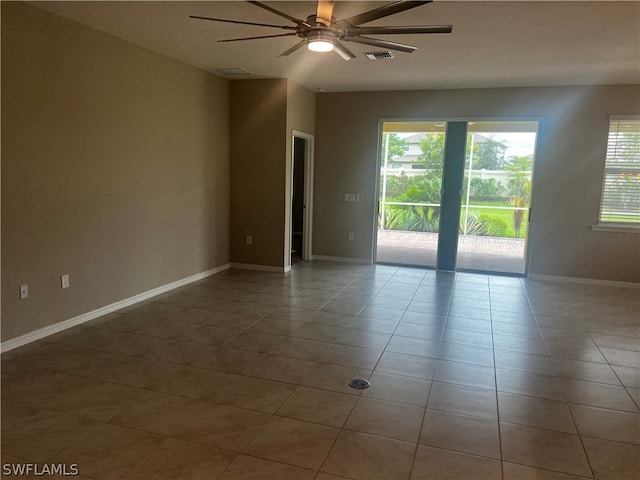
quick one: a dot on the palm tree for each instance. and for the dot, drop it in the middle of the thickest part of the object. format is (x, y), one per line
(518, 215)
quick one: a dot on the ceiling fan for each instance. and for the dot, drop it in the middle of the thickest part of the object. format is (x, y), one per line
(321, 32)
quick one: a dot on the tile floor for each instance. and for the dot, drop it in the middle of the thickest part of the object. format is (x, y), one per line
(244, 376)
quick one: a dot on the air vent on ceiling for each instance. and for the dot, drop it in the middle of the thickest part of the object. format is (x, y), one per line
(233, 72)
(378, 55)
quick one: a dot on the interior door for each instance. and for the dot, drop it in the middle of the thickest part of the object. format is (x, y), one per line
(298, 199)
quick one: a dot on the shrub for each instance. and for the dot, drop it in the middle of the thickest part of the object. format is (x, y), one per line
(396, 184)
(496, 226)
(414, 219)
(422, 189)
(475, 226)
(424, 219)
(486, 188)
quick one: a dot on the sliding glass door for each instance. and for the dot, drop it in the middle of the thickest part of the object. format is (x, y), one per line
(455, 195)
(411, 166)
(496, 196)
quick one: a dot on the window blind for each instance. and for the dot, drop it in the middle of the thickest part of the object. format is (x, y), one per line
(621, 184)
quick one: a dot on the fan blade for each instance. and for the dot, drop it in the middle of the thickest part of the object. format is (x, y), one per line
(257, 38)
(374, 42)
(301, 43)
(384, 11)
(343, 51)
(285, 27)
(278, 12)
(324, 12)
(401, 30)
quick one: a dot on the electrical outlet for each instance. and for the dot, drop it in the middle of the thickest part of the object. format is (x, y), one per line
(24, 291)
(249, 240)
(351, 236)
(64, 280)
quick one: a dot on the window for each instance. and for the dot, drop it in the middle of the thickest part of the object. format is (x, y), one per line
(620, 205)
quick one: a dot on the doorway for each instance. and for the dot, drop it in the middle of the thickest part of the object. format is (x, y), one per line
(456, 195)
(301, 196)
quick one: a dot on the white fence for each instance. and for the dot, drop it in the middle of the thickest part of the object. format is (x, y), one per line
(501, 176)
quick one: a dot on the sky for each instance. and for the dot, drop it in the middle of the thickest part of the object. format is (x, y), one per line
(519, 144)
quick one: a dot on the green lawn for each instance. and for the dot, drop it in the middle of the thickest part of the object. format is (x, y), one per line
(613, 218)
(500, 221)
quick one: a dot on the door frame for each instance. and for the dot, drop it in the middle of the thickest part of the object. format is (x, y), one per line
(467, 119)
(307, 221)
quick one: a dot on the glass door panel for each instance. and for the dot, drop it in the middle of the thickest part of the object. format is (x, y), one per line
(411, 165)
(496, 196)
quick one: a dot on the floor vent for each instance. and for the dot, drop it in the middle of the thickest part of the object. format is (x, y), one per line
(359, 384)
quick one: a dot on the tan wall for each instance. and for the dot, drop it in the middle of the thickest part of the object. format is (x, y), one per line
(258, 162)
(568, 171)
(115, 169)
(301, 109)
(263, 115)
(301, 116)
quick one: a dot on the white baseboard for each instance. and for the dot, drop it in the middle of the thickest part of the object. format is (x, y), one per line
(328, 258)
(260, 268)
(585, 281)
(85, 317)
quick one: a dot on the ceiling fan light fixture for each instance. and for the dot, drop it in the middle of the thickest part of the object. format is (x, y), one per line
(320, 46)
(320, 42)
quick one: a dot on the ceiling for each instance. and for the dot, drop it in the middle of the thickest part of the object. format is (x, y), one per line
(493, 44)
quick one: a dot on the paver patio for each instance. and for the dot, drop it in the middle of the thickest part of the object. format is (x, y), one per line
(491, 254)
